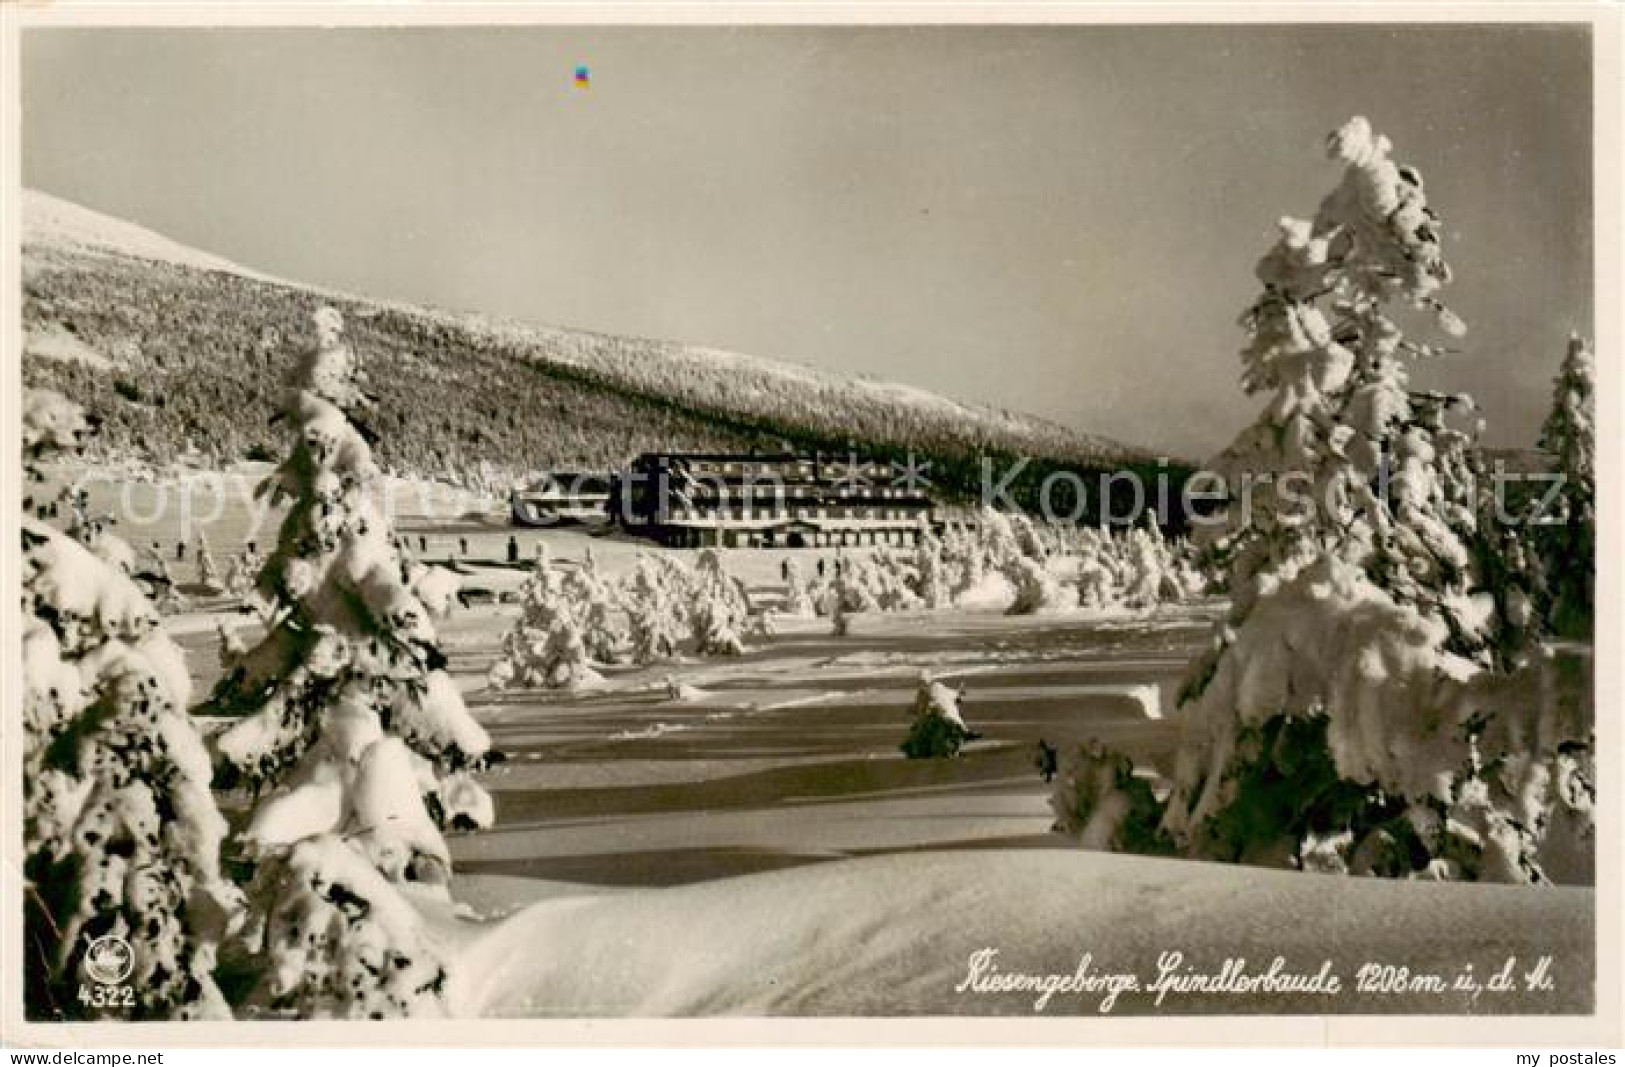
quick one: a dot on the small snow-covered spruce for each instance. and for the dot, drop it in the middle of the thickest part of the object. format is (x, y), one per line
(937, 729)
(853, 586)
(243, 572)
(349, 730)
(1568, 537)
(121, 834)
(542, 606)
(655, 628)
(344, 941)
(94, 532)
(1038, 592)
(604, 624)
(719, 609)
(208, 571)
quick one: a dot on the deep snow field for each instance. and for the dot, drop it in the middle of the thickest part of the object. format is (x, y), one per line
(758, 844)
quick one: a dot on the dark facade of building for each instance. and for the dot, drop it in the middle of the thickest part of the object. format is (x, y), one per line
(781, 500)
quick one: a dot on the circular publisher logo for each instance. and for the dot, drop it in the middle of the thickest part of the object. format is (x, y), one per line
(109, 959)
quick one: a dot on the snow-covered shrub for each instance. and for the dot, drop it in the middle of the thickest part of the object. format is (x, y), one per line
(1038, 592)
(853, 587)
(347, 723)
(232, 647)
(1096, 569)
(937, 729)
(567, 660)
(930, 569)
(892, 584)
(121, 835)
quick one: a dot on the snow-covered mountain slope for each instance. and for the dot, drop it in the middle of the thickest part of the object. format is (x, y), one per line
(197, 347)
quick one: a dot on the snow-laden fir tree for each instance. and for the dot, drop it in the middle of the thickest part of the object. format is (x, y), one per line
(541, 605)
(232, 646)
(1038, 592)
(1568, 535)
(1351, 716)
(798, 600)
(568, 662)
(547, 647)
(968, 561)
(835, 600)
(349, 730)
(121, 834)
(854, 585)
(892, 584)
(937, 728)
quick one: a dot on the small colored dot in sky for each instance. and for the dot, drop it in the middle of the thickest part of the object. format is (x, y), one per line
(582, 78)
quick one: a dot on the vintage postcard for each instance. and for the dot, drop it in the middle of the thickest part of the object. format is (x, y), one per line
(979, 523)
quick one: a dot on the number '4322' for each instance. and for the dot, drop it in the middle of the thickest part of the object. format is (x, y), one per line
(107, 996)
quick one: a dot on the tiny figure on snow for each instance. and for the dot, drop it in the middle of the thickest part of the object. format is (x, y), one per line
(513, 549)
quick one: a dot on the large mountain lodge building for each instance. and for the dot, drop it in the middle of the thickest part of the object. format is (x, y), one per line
(784, 500)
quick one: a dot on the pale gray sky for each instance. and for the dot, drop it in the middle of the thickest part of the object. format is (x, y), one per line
(1057, 220)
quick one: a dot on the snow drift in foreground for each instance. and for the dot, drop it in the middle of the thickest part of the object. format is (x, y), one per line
(897, 934)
